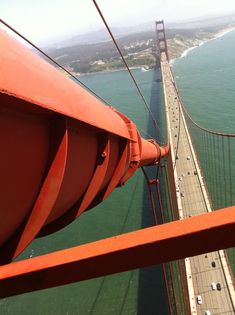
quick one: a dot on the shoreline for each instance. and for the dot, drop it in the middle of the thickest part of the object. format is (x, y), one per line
(216, 35)
(197, 43)
(106, 71)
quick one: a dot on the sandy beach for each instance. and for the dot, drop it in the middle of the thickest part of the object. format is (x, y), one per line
(203, 41)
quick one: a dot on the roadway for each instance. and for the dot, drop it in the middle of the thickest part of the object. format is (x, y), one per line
(194, 201)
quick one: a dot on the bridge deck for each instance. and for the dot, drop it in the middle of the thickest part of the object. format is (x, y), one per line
(193, 199)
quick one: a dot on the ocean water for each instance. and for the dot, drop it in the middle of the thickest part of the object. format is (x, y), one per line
(206, 79)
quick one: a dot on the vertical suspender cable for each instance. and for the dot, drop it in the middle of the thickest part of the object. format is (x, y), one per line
(219, 142)
(224, 183)
(155, 219)
(173, 287)
(230, 174)
(163, 265)
(207, 152)
(154, 211)
(215, 172)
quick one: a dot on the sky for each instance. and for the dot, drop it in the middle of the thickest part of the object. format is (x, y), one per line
(45, 20)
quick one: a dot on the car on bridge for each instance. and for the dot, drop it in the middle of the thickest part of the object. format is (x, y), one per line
(199, 299)
(213, 286)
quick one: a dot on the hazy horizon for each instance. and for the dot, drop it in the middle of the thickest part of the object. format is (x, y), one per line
(56, 20)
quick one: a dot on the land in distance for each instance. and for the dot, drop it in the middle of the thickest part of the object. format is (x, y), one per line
(138, 48)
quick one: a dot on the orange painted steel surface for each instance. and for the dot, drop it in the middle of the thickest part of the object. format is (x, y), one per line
(30, 78)
(63, 150)
(132, 250)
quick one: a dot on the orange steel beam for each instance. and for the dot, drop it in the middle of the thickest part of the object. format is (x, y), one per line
(154, 245)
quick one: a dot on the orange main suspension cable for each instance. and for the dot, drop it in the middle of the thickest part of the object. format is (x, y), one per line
(51, 59)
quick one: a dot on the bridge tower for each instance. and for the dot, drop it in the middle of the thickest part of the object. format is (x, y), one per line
(161, 40)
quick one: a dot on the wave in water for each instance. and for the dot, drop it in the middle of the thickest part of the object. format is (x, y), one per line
(184, 54)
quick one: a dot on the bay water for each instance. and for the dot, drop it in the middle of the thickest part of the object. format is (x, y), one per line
(206, 80)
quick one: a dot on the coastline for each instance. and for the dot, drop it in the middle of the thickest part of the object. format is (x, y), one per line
(106, 71)
(216, 35)
(195, 44)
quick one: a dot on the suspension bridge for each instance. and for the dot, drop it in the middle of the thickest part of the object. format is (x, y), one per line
(191, 190)
(192, 194)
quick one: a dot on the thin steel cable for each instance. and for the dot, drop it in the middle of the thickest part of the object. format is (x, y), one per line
(206, 156)
(185, 286)
(171, 189)
(167, 289)
(214, 173)
(230, 173)
(168, 201)
(159, 199)
(220, 170)
(155, 219)
(223, 134)
(216, 161)
(208, 166)
(154, 211)
(52, 60)
(169, 176)
(147, 134)
(173, 288)
(224, 185)
(178, 135)
(126, 65)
